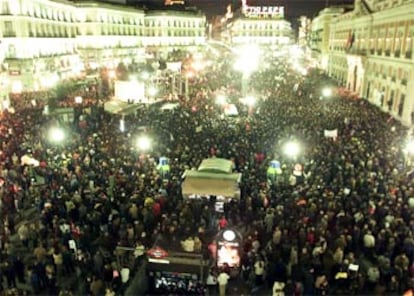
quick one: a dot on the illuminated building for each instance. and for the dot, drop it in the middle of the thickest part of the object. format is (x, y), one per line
(260, 25)
(304, 31)
(44, 41)
(370, 52)
(319, 37)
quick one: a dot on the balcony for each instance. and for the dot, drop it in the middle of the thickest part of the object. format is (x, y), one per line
(357, 51)
(9, 34)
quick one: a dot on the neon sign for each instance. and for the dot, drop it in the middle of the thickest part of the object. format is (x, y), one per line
(263, 11)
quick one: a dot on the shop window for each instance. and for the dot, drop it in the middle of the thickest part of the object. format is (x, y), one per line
(9, 29)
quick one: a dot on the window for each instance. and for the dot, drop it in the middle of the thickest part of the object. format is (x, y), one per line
(9, 29)
(401, 105)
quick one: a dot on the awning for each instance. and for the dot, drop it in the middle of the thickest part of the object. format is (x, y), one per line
(199, 183)
(216, 165)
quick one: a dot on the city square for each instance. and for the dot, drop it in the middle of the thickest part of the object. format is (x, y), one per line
(141, 154)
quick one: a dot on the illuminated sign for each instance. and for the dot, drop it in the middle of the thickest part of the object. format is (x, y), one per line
(157, 253)
(263, 11)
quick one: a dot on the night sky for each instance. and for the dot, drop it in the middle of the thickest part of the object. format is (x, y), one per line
(293, 8)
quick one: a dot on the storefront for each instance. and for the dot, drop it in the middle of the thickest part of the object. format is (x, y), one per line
(229, 251)
(176, 273)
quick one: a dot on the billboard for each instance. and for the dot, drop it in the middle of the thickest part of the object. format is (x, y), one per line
(277, 12)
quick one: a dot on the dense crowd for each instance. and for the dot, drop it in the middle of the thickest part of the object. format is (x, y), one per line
(345, 227)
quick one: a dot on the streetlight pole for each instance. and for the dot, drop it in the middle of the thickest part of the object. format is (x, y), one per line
(244, 83)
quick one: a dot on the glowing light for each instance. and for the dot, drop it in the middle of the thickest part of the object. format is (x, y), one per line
(229, 235)
(152, 91)
(198, 65)
(291, 149)
(122, 125)
(17, 87)
(409, 148)
(144, 143)
(248, 59)
(250, 101)
(327, 92)
(78, 100)
(145, 75)
(189, 74)
(56, 135)
(112, 74)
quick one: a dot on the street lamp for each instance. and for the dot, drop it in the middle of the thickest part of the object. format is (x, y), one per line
(143, 143)
(56, 135)
(327, 92)
(247, 63)
(291, 149)
(78, 100)
(152, 91)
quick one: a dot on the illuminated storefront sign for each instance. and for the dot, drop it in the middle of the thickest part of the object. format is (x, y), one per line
(263, 11)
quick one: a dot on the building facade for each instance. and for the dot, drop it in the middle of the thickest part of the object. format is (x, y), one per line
(44, 41)
(370, 52)
(304, 31)
(263, 25)
(319, 36)
(260, 31)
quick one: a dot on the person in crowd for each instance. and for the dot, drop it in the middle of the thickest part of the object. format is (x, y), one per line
(222, 279)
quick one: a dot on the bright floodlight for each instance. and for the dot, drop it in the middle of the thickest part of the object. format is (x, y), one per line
(410, 147)
(221, 100)
(248, 60)
(229, 235)
(111, 74)
(250, 101)
(291, 149)
(56, 135)
(78, 100)
(145, 75)
(144, 143)
(152, 91)
(327, 92)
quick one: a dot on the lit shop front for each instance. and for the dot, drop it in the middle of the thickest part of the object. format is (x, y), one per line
(227, 250)
(176, 273)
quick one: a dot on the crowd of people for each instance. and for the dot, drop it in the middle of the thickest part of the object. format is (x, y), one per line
(344, 228)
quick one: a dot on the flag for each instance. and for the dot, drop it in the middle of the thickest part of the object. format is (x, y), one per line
(351, 39)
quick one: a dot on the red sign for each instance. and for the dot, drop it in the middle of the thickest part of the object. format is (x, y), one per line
(157, 253)
(14, 72)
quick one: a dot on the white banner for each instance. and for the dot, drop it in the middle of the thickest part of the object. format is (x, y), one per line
(330, 133)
